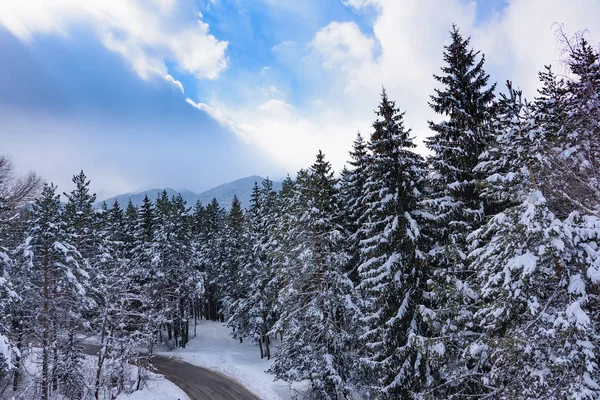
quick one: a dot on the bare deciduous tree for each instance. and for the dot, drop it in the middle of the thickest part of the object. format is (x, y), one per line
(16, 190)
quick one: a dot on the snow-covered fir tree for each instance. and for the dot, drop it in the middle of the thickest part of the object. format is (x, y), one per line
(453, 206)
(57, 280)
(391, 270)
(210, 257)
(352, 185)
(316, 305)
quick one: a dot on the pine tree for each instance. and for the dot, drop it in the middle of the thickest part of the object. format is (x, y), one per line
(352, 185)
(129, 226)
(315, 304)
(235, 284)
(171, 255)
(456, 146)
(514, 157)
(454, 206)
(79, 214)
(539, 337)
(574, 154)
(211, 258)
(253, 313)
(391, 269)
(142, 276)
(58, 282)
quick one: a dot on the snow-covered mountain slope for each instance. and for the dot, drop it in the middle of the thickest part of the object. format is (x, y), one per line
(223, 193)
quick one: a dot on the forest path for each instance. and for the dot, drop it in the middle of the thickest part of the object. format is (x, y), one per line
(198, 383)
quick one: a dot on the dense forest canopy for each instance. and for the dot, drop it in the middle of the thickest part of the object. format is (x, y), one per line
(471, 273)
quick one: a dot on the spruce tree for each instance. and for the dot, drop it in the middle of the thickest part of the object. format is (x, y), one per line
(513, 158)
(235, 284)
(454, 206)
(211, 258)
(537, 335)
(142, 275)
(79, 214)
(576, 154)
(352, 185)
(58, 294)
(315, 306)
(457, 143)
(391, 270)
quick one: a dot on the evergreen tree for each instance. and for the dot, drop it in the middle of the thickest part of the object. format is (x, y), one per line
(573, 155)
(454, 206)
(211, 258)
(58, 296)
(455, 203)
(171, 254)
(129, 226)
(142, 277)
(539, 337)
(79, 214)
(315, 306)
(352, 185)
(513, 159)
(391, 270)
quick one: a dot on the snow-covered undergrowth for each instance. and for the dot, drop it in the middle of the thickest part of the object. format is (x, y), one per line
(154, 386)
(213, 348)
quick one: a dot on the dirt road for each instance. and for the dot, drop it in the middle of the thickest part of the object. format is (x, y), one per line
(198, 383)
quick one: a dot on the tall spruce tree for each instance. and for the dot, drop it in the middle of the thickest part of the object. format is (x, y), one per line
(352, 185)
(142, 275)
(315, 306)
(57, 280)
(454, 206)
(457, 144)
(79, 214)
(391, 269)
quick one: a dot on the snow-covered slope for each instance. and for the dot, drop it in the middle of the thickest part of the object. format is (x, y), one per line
(223, 193)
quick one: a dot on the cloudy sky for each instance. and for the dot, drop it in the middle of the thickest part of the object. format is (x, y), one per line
(194, 93)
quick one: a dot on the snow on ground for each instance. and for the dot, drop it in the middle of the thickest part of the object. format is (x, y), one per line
(156, 388)
(216, 350)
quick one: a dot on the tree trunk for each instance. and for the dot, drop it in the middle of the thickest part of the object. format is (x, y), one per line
(261, 349)
(45, 362)
(101, 356)
(45, 353)
(267, 347)
(17, 363)
(54, 360)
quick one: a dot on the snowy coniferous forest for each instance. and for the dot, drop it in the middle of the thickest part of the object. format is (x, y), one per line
(472, 273)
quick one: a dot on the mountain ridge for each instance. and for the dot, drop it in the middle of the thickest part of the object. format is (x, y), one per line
(242, 188)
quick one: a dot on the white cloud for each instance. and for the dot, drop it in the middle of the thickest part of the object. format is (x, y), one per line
(175, 82)
(147, 34)
(337, 74)
(343, 46)
(403, 52)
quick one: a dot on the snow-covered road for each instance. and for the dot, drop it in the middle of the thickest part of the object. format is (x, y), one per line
(213, 348)
(194, 381)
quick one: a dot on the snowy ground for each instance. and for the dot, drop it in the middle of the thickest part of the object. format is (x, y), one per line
(157, 388)
(216, 350)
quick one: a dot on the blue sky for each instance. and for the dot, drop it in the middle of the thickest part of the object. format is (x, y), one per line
(191, 94)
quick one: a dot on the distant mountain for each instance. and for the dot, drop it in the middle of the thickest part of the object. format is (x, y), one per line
(223, 193)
